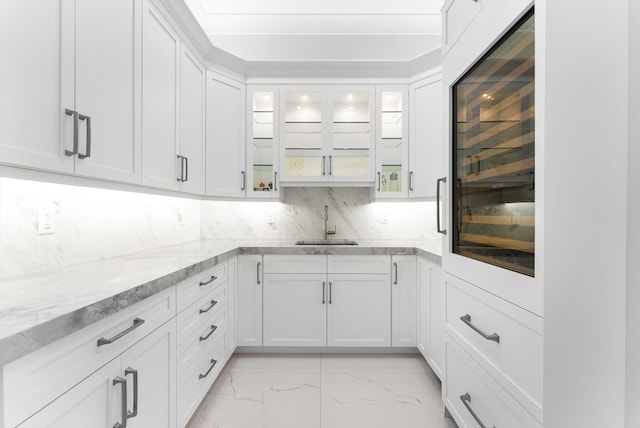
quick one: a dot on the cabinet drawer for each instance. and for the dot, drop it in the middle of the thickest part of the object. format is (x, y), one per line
(488, 403)
(200, 313)
(195, 379)
(359, 264)
(199, 285)
(295, 264)
(35, 380)
(512, 350)
(457, 15)
(201, 340)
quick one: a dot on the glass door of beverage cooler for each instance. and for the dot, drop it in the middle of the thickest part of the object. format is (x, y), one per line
(494, 155)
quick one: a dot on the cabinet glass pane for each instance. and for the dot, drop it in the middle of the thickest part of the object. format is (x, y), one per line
(351, 122)
(302, 139)
(262, 140)
(391, 138)
(493, 155)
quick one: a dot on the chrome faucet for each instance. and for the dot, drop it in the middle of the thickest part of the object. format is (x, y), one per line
(326, 219)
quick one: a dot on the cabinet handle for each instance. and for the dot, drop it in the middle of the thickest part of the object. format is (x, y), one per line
(467, 320)
(204, 311)
(330, 165)
(440, 180)
(136, 323)
(258, 272)
(75, 132)
(411, 181)
(87, 153)
(213, 328)
(181, 177)
(395, 267)
(186, 169)
(378, 181)
(213, 278)
(330, 292)
(134, 372)
(324, 158)
(275, 181)
(244, 180)
(123, 415)
(324, 286)
(466, 400)
(213, 364)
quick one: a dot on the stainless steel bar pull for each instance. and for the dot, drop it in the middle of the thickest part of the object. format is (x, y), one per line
(467, 320)
(378, 181)
(244, 180)
(330, 165)
(87, 153)
(324, 286)
(181, 176)
(136, 323)
(440, 180)
(213, 278)
(75, 132)
(123, 411)
(466, 400)
(211, 305)
(411, 181)
(258, 272)
(323, 165)
(186, 169)
(330, 292)
(213, 364)
(395, 267)
(134, 372)
(275, 181)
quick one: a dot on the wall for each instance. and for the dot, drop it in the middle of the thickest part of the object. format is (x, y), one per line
(96, 223)
(301, 216)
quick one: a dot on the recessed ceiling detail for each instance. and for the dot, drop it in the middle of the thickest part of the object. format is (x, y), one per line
(321, 30)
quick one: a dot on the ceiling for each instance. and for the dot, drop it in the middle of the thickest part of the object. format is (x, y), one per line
(321, 30)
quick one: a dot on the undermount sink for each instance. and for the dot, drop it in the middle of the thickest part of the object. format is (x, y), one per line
(327, 242)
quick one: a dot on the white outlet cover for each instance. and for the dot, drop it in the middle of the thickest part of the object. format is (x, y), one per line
(46, 221)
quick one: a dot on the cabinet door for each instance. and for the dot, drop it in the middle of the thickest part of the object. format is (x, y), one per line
(426, 143)
(232, 292)
(36, 59)
(404, 301)
(424, 308)
(154, 360)
(437, 321)
(192, 104)
(225, 152)
(295, 310)
(95, 402)
(160, 71)
(249, 303)
(107, 77)
(359, 310)
(262, 142)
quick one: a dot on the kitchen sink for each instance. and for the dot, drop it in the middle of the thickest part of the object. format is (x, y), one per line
(326, 242)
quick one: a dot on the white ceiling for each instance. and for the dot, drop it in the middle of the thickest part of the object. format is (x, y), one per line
(321, 30)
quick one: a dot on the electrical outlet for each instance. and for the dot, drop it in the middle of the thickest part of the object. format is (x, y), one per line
(46, 220)
(384, 219)
(271, 218)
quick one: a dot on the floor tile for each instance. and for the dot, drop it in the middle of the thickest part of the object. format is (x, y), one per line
(388, 363)
(290, 363)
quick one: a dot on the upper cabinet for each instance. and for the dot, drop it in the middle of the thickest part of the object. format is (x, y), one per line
(70, 80)
(225, 143)
(327, 135)
(262, 141)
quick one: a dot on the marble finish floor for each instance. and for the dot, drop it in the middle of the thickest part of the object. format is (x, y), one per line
(323, 391)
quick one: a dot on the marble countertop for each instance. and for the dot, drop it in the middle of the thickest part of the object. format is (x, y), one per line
(38, 310)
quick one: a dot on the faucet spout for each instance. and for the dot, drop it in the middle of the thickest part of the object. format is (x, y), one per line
(326, 220)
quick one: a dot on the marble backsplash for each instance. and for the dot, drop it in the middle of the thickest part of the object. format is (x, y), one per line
(95, 224)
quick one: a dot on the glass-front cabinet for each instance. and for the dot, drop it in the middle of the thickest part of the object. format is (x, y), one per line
(391, 142)
(327, 134)
(262, 142)
(493, 187)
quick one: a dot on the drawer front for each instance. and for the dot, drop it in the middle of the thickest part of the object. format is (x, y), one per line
(457, 15)
(195, 379)
(202, 339)
(295, 264)
(359, 264)
(512, 350)
(35, 380)
(486, 402)
(197, 315)
(199, 285)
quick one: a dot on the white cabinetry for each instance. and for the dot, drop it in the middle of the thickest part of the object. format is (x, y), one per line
(327, 134)
(225, 142)
(70, 82)
(431, 315)
(404, 298)
(249, 303)
(72, 380)
(425, 136)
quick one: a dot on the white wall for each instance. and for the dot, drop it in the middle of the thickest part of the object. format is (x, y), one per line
(584, 76)
(633, 243)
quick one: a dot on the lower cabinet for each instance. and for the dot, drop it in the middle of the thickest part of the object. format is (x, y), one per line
(404, 301)
(431, 314)
(137, 389)
(249, 300)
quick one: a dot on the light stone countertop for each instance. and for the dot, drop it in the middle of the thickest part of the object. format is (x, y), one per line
(36, 311)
